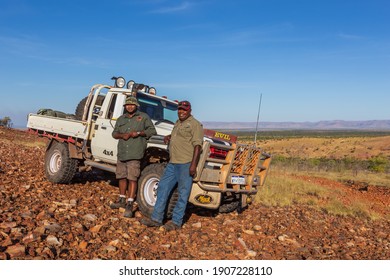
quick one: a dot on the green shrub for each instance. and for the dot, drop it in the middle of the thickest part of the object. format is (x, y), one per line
(378, 164)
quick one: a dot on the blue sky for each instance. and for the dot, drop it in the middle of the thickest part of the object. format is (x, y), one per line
(311, 60)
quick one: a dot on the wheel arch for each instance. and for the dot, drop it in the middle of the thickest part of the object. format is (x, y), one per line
(50, 144)
(74, 151)
(154, 155)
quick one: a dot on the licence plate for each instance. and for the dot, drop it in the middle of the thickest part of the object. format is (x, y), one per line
(238, 180)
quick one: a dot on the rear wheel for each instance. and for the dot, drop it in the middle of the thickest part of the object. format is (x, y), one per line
(147, 190)
(59, 167)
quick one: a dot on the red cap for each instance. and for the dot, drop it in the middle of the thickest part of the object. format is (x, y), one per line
(185, 105)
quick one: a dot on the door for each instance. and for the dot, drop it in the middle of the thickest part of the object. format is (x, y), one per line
(103, 145)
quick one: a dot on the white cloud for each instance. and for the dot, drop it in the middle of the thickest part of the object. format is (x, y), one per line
(350, 36)
(20, 44)
(173, 9)
(32, 48)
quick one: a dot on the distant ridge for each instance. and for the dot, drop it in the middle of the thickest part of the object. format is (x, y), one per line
(321, 125)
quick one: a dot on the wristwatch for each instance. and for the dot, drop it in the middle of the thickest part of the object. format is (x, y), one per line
(138, 133)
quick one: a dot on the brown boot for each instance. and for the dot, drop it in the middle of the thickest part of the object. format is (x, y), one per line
(150, 223)
(129, 210)
(121, 203)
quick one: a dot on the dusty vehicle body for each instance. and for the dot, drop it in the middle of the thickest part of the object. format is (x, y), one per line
(228, 173)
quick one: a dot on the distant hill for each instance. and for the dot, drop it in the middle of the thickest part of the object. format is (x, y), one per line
(321, 125)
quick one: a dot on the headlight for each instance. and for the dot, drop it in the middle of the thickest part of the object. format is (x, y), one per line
(120, 82)
(130, 85)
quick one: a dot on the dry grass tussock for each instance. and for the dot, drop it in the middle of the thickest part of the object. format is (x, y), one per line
(329, 187)
(288, 189)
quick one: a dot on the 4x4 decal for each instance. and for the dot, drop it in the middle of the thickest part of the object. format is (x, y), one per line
(108, 153)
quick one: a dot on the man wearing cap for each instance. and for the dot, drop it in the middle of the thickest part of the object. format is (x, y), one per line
(185, 147)
(132, 129)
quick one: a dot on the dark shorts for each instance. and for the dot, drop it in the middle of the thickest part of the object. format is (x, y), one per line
(130, 169)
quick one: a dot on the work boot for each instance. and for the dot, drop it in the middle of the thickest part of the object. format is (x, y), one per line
(129, 210)
(169, 226)
(121, 203)
(150, 223)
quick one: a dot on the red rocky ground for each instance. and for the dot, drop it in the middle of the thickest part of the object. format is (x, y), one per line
(41, 220)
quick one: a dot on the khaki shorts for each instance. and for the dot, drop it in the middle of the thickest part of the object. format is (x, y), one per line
(130, 169)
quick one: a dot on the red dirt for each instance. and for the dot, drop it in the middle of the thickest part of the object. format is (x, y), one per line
(41, 220)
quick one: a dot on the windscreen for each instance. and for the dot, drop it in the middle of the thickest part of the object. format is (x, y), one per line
(157, 109)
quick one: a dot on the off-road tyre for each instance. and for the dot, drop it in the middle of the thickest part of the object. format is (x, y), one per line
(60, 168)
(229, 205)
(80, 107)
(147, 190)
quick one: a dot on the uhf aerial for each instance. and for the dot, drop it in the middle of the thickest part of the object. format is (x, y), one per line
(258, 117)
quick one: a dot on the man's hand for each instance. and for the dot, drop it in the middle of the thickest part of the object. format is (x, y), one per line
(193, 170)
(127, 136)
(195, 160)
(133, 134)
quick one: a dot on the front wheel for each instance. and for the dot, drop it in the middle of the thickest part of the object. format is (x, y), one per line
(60, 168)
(147, 190)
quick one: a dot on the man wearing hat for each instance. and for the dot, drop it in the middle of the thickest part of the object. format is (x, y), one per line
(185, 147)
(132, 129)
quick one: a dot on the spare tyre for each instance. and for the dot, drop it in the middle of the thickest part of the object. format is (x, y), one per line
(80, 107)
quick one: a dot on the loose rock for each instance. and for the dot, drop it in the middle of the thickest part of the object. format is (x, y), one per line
(41, 220)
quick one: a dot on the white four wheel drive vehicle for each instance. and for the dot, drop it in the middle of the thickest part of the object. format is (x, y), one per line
(228, 173)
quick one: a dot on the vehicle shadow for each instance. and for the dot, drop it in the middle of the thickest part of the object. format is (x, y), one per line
(198, 211)
(209, 213)
(95, 175)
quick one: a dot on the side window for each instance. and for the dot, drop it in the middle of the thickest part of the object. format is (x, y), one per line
(97, 107)
(111, 107)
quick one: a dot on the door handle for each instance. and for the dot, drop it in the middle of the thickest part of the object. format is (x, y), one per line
(103, 127)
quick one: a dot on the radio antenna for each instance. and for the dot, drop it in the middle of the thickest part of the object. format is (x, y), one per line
(258, 117)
